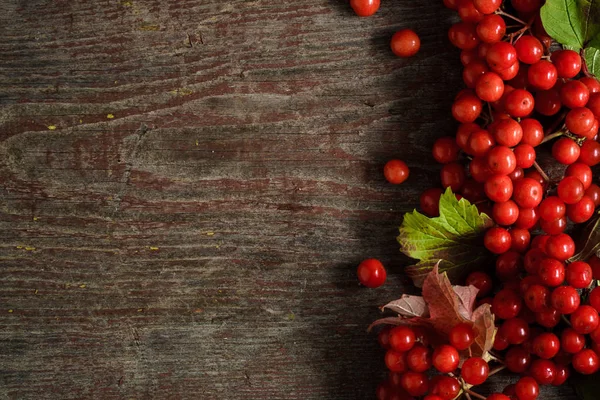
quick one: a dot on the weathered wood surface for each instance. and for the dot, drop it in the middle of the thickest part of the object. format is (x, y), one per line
(187, 187)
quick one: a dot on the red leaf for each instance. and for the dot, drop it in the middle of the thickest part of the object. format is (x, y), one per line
(448, 306)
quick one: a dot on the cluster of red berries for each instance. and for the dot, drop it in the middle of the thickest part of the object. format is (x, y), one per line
(409, 357)
(520, 98)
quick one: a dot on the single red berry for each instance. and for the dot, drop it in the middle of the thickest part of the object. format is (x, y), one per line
(498, 396)
(517, 359)
(473, 71)
(525, 155)
(467, 11)
(547, 102)
(537, 298)
(570, 190)
(548, 318)
(527, 388)
(445, 358)
(395, 361)
(445, 387)
(474, 371)
(383, 337)
(565, 151)
(590, 153)
(585, 319)
(489, 87)
(574, 94)
(481, 281)
(501, 55)
(430, 201)
(565, 299)
(497, 240)
(519, 103)
(552, 208)
(371, 273)
(542, 371)
(528, 218)
(498, 188)
(415, 383)
(507, 132)
(464, 35)
(554, 227)
(520, 240)
(453, 175)
(529, 49)
(365, 8)
(506, 304)
(533, 132)
(571, 341)
(542, 75)
(546, 345)
(551, 271)
(487, 6)
(581, 171)
(593, 192)
(528, 193)
(402, 338)
(491, 28)
(509, 265)
(480, 143)
(526, 7)
(467, 108)
(462, 336)
(579, 274)
(505, 213)
(592, 83)
(567, 63)
(560, 246)
(445, 150)
(418, 358)
(396, 171)
(515, 330)
(501, 160)
(561, 375)
(580, 120)
(405, 43)
(586, 362)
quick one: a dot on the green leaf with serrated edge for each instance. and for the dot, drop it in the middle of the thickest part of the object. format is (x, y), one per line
(589, 242)
(572, 22)
(455, 238)
(592, 60)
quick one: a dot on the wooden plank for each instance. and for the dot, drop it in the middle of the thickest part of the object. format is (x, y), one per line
(187, 187)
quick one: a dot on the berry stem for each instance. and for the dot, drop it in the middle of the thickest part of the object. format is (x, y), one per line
(541, 171)
(497, 369)
(468, 396)
(564, 318)
(500, 12)
(552, 136)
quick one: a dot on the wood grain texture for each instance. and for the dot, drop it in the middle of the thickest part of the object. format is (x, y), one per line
(187, 187)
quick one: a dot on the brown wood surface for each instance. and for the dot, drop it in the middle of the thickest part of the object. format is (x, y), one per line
(187, 187)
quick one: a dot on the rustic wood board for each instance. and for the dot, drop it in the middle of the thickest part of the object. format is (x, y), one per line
(188, 186)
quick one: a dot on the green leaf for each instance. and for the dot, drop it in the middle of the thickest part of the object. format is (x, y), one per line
(592, 59)
(572, 22)
(589, 242)
(455, 238)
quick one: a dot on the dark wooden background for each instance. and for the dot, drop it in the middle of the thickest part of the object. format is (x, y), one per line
(187, 187)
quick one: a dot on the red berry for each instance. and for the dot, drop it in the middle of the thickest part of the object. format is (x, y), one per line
(515, 330)
(552, 208)
(501, 160)
(567, 63)
(402, 338)
(445, 358)
(467, 11)
(466, 108)
(565, 299)
(517, 359)
(418, 358)
(396, 171)
(570, 190)
(574, 94)
(584, 320)
(546, 345)
(430, 201)
(474, 371)
(580, 120)
(507, 132)
(415, 383)
(497, 240)
(561, 375)
(445, 150)
(480, 142)
(365, 8)
(505, 213)
(371, 273)
(405, 43)
(547, 102)
(537, 298)
(528, 193)
(581, 171)
(395, 361)
(489, 87)
(593, 192)
(529, 49)
(528, 217)
(586, 362)
(592, 83)
(571, 341)
(542, 75)
(453, 175)
(526, 6)
(487, 6)
(560, 246)
(506, 304)
(579, 274)
(481, 281)
(520, 240)
(464, 35)
(551, 271)
(548, 318)
(461, 336)
(533, 132)
(501, 55)
(491, 28)
(445, 387)
(519, 102)
(565, 151)
(525, 155)
(542, 371)
(590, 153)
(509, 265)
(554, 227)
(527, 388)
(498, 188)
